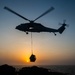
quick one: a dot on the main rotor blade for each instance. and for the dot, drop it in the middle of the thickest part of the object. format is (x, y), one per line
(50, 9)
(16, 13)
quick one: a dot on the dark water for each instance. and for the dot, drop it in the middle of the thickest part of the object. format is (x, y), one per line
(70, 69)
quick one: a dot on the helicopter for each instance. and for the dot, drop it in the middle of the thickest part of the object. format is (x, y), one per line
(32, 26)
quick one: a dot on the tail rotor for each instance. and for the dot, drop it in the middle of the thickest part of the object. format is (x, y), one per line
(62, 28)
(64, 24)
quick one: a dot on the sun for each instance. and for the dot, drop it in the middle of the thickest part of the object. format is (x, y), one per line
(27, 61)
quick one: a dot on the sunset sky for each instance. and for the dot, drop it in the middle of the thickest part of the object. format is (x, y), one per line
(15, 46)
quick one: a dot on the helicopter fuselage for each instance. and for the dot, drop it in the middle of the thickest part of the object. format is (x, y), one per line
(34, 27)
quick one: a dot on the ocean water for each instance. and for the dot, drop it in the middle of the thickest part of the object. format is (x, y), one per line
(70, 69)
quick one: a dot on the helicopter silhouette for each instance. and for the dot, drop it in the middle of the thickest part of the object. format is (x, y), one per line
(32, 26)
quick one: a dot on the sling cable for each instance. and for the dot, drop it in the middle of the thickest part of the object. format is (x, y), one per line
(32, 57)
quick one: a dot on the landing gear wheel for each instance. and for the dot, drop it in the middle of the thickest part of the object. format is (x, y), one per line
(26, 32)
